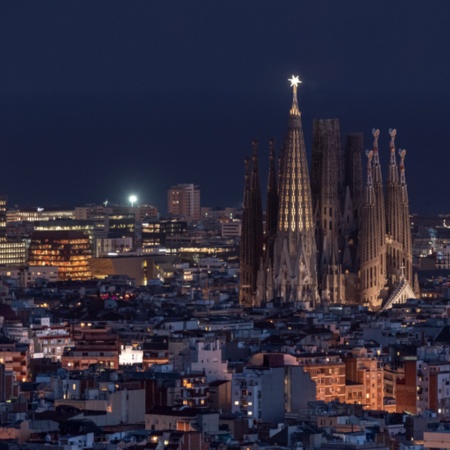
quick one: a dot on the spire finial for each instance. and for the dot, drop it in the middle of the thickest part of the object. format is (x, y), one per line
(255, 148)
(375, 133)
(272, 149)
(295, 81)
(392, 133)
(402, 154)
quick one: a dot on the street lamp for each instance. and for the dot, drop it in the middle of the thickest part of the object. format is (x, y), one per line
(132, 199)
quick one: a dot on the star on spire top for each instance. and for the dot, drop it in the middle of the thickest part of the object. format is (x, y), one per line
(295, 80)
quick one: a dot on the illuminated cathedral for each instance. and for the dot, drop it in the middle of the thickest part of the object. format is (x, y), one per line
(328, 238)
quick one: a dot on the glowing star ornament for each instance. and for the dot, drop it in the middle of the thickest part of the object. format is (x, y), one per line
(295, 80)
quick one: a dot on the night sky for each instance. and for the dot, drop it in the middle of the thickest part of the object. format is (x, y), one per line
(100, 99)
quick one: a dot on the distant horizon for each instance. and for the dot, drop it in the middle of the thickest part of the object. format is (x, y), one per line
(96, 106)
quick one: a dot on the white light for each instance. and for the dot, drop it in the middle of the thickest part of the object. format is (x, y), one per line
(295, 81)
(132, 199)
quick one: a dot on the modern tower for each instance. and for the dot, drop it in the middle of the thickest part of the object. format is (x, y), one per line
(183, 201)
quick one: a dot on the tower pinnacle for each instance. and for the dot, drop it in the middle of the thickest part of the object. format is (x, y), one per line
(295, 81)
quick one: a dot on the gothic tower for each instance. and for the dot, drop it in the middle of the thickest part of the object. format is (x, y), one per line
(371, 279)
(406, 223)
(326, 191)
(265, 287)
(352, 201)
(295, 270)
(394, 225)
(380, 211)
(252, 235)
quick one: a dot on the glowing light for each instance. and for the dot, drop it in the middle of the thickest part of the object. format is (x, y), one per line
(133, 199)
(295, 80)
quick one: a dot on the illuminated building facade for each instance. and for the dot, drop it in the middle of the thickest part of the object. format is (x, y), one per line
(155, 232)
(15, 358)
(291, 273)
(28, 275)
(140, 211)
(12, 252)
(367, 373)
(92, 346)
(183, 201)
(328, 372)
(327, 240)
(38, 214)
(385, 240)
(70, 251)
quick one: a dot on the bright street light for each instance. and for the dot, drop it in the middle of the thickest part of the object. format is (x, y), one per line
(133, 199)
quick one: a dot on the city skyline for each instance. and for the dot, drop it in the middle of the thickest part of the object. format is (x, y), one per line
(99, 106)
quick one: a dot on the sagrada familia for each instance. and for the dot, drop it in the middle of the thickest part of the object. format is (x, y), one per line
(330, 238)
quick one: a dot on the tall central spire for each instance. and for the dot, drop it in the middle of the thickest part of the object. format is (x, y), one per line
(295, 270)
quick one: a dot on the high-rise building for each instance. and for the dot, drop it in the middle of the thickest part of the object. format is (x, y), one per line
(13, 252)
(67, 250)
(183, 201)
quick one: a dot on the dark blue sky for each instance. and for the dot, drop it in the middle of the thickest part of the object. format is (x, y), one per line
(99, 99)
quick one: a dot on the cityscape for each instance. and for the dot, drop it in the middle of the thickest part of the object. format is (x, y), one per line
(318, 322)
(309, 311)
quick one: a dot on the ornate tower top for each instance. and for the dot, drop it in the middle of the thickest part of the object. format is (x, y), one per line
(402, 154)
(295, 81)
(392, 133)
(375, 133)
(393, 172)
(370, 199)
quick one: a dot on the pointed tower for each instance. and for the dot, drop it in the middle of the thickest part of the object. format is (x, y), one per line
(245, 297)
(272, 199)
(326, 188)
(380, 211)
(264, 290)
(295, 271)
(405, 223)
(252, 235)
(353, 179)
(351, 210)
(371, 280)
(394, 229)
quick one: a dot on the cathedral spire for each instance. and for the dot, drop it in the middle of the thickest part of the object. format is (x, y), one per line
(251, 237)
(394, 226)
(295, 271)
(272, 195)
(406, 223)
(393, 170)
(369, 195)
(404, 189)
(380, 232)
(295, 81)
(377, 178)
(372, 280)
